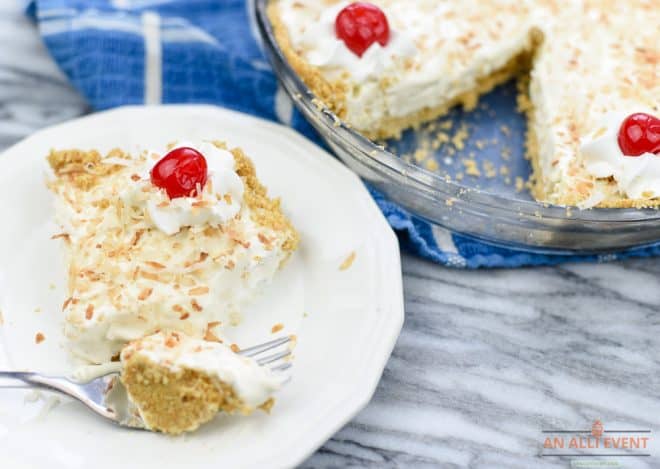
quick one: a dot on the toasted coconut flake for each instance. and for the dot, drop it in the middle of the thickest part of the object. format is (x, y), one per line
(155, 265)
(265, 240)
(39, 338)
(184, 316)
(145, 293)
(89, 312)
(187, 281)
(66, 303)
(198, 291)
(277, 327)
(235, 348)
(61, 235)
(90, 274)
(196, 306)
(172, 340)
(135, 177)
(209, 336)
(245, 244)
(136, 237)
(150, 276)
(202, 258)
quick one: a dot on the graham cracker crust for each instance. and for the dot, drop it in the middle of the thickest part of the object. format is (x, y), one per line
(176, 402)
(82, 169)
(333, 94)
(265, 211)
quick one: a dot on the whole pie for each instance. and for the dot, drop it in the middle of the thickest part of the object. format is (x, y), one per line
(591, 70)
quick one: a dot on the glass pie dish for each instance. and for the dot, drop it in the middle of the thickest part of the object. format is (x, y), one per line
(466, 172)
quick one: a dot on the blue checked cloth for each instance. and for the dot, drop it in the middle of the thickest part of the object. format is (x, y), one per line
(207, 53)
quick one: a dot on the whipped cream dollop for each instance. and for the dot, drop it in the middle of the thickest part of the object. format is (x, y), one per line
(324, 49)
(638, 177)
(220, 199)
(252, 383)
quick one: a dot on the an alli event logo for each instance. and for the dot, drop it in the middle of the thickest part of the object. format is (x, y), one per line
(599, 441)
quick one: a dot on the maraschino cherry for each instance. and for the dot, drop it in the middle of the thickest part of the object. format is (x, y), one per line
(179, 172)
(360, 24)
(639, 133)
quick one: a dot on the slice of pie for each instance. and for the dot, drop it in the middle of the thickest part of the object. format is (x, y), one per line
(176, 383)
(387, 65)
(178, 242)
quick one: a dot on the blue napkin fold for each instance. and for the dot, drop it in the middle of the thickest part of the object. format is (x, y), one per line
(118, 52)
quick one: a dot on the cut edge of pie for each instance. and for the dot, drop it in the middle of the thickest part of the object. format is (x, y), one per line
(172, 397)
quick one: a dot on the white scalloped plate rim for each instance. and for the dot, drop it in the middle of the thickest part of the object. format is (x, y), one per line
(330, 385)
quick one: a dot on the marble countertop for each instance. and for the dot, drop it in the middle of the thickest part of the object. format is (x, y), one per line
(486, 361)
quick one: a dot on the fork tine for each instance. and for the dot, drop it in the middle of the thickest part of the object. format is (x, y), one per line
(273, 358)
(258, 349)
(282, 367)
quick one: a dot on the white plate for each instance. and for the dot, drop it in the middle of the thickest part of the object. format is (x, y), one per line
(352, 318)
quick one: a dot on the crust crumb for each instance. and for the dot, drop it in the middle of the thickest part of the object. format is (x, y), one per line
(348, 262)
(82, 168)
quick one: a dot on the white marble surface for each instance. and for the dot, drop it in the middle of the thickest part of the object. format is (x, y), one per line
(486, 360)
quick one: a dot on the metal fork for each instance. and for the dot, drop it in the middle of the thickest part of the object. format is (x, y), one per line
(106, 396)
